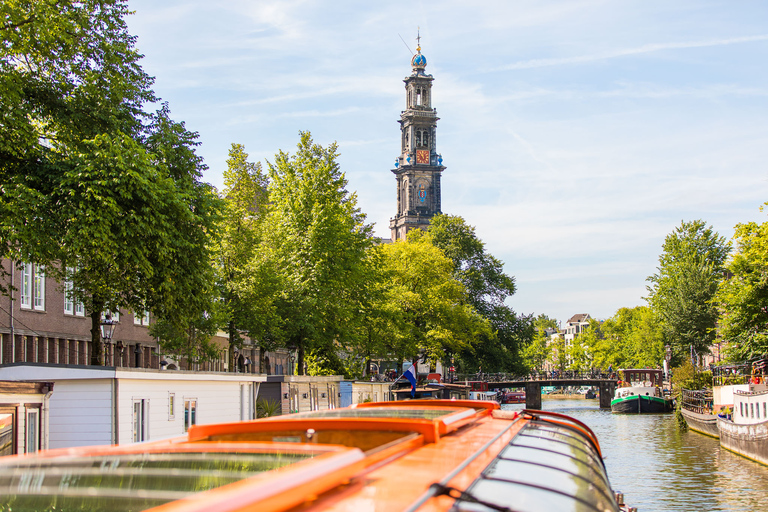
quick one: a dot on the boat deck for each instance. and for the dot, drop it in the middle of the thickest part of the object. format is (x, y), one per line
(419, 455)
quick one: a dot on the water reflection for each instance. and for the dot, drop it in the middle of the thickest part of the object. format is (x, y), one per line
(659, 468)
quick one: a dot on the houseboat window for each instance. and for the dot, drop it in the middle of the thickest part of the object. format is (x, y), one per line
(7, 421)
(190, 413)
(139, 424)
(171, 406)
(741, 409)
(764, 410)
(33, 431)
(752, 410)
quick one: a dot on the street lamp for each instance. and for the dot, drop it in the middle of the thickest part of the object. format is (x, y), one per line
(107, 328)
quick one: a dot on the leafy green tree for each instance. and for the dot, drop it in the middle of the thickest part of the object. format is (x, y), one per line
(743, 296)
(681, 292)
(247, 283)
(437, 316)
(537, 352)
(318, 240)
(487, 288)
(579, 358)
(101, 192)
(631, 338)
(558, 356)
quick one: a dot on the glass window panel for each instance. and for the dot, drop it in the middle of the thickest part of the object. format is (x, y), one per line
(126, 482)
(6, 434)
(33, 433)
(39, 288)
(521, 498)
(26, 286)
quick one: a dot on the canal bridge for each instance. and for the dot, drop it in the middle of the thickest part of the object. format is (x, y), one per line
(606, 385)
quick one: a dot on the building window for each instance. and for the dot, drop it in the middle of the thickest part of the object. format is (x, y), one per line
(141, 318)
(39, 288)
(26, 285)
(69, 303)
(171, 406)
(139, 421)
(190, 413)
(33, 431)
(79, 309)
(115, 316)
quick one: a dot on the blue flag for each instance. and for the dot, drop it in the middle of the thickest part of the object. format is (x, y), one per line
(410, 374)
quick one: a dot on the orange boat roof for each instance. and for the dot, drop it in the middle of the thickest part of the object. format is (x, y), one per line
(410, 455)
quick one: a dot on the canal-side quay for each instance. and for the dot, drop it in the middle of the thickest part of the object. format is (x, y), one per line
(659, 468)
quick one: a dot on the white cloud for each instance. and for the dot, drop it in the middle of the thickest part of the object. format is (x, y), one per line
(612, 54)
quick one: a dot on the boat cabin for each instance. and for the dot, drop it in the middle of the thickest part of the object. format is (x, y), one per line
(643, 377)
(416, 455)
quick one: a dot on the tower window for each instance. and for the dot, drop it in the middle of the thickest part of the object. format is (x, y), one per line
(418, 137)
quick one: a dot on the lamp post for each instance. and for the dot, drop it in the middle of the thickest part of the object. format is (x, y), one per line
(107, 330)
(667, 358)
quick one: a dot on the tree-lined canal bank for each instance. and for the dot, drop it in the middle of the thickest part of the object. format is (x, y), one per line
(660, 469)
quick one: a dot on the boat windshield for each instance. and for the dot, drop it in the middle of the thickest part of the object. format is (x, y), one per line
(128, 481)
(547, 466)
(383, 412)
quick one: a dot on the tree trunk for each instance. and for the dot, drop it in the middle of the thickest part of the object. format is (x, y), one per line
(96, 352)
(232, 341)
(300, 360)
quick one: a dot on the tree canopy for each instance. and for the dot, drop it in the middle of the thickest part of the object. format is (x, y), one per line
(487, 287)
(681, 291)
(318, 238)
(743, 295)
(99, 191)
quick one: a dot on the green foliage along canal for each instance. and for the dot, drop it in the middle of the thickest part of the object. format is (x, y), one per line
(660, 469)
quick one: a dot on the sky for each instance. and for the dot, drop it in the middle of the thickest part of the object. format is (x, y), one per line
(576, 134)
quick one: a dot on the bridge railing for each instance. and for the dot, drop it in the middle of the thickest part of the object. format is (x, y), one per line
(535, 376)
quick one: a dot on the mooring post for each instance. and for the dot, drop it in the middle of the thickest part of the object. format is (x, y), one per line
(533, 395)
(607, 390)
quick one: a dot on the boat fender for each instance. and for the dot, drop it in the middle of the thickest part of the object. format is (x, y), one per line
(500, 414)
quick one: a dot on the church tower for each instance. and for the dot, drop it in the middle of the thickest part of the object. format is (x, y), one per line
(419, 166)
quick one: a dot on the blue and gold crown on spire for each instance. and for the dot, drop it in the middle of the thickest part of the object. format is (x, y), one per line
(418, 62)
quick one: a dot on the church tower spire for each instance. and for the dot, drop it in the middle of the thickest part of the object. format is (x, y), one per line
(419, 165)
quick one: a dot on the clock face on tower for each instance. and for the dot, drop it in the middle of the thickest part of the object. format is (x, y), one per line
(422, 156)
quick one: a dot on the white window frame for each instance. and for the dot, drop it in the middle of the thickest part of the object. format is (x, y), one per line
(79, 309)
(141, 318)
(32, 431)
(141, 433)
(25, 295)
(39, 288)
(190, 412)
(69, 303)
(115, 315)
(171, 406)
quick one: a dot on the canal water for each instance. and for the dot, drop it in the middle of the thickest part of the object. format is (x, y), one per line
(661, 469)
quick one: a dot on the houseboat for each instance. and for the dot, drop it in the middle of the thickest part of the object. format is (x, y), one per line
(478, 390)
(641, 392)
(418, 455)
(697, 408)
(513, 397)
(746, 430)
